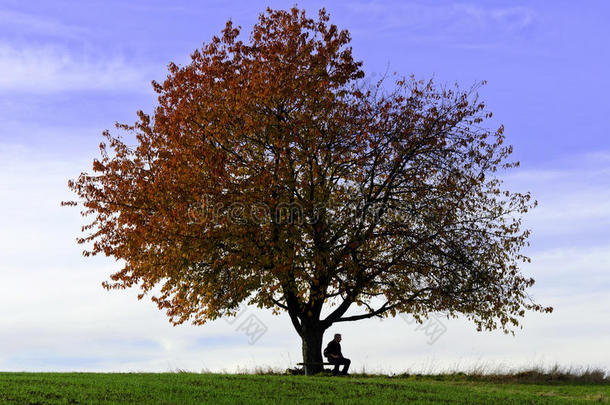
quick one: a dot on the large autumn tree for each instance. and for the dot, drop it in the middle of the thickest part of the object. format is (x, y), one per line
(269, 174)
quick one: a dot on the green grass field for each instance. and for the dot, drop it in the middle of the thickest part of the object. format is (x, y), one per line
(186, 388)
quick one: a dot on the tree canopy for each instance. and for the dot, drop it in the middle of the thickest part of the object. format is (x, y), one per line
(270, 174)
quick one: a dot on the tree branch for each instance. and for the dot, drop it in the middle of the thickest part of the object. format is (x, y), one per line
(385, 307)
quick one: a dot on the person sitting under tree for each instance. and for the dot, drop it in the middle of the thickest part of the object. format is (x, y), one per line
(335, 357)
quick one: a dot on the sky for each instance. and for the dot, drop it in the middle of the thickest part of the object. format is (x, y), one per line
(69, 70)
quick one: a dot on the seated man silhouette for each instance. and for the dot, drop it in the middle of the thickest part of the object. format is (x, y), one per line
(334, 355)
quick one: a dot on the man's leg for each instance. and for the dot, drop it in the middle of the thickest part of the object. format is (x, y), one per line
(346, 363)
(336, 363)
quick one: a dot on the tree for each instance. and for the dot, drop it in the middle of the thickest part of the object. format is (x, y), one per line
(270, 175)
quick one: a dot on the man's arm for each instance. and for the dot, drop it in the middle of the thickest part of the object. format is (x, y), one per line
(334, 350)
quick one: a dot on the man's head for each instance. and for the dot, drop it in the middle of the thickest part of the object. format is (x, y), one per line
(337, 337)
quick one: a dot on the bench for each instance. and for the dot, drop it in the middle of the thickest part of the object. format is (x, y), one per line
(305, 365)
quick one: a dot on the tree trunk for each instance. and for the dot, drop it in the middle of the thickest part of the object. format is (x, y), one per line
(312, 349)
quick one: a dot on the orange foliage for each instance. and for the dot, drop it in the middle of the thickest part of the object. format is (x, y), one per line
(270, 173)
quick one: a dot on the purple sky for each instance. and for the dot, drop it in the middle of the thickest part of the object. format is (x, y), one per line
(88, 64)
(69, 70)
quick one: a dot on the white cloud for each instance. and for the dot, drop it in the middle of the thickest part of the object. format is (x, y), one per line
(32, 23)
(459, 24)
(573, 197)
(56, 316)
(51, 69)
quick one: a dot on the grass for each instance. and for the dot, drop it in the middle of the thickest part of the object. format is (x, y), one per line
(191, 388)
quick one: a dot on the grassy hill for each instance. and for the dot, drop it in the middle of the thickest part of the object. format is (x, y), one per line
(187, 388)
